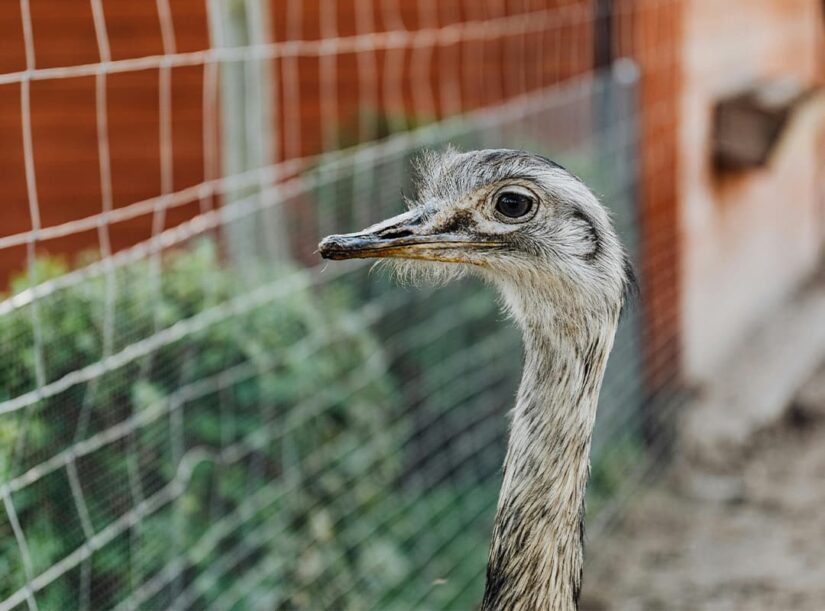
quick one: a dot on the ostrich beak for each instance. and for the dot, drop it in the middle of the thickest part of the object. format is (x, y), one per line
(402, 236)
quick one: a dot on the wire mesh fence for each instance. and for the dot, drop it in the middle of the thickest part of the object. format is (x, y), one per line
(195, 412)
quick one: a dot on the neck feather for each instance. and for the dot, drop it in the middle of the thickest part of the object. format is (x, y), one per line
(536, 553)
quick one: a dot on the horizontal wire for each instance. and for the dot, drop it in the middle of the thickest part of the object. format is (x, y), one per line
(520, 23)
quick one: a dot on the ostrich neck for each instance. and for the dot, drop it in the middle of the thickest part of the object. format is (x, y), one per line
(536, 552)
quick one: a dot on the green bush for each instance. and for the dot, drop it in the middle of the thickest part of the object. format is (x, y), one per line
(274, 418)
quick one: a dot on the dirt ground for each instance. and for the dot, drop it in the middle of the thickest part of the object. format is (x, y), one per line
(758, 546)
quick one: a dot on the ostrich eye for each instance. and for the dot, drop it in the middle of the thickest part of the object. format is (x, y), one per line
(513, 204)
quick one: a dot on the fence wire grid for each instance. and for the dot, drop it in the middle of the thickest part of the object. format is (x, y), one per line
(195, 412)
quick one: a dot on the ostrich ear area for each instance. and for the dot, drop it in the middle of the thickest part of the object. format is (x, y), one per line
(401, 237)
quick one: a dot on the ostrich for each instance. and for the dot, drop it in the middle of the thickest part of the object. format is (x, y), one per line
(538, 234)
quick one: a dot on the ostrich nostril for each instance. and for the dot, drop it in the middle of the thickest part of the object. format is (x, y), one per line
(395, 234)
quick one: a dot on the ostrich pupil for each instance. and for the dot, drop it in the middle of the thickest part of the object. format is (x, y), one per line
(513, 205)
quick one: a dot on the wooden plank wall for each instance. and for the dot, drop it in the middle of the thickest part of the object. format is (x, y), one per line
(64, 120)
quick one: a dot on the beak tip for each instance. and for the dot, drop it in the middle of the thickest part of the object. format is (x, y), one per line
(324, 247)
(330, 248)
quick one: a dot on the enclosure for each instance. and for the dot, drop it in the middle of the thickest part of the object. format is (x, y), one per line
(195, 411)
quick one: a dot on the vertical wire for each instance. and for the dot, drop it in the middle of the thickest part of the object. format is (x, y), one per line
(22, 545)
(104, 167)
(477, 53)
(424, 106)
(394, 105)
(166, 158)
(88, 532)
(261, 138)
(165, 114)
(328, 212)
(31, 252)
(209, 135)
(293, 117)
(451, 68)
(368, 102)
(31, 187)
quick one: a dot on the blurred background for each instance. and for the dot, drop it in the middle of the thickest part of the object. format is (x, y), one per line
(196, 412)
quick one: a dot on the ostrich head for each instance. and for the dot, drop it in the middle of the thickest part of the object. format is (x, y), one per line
(517, 219)
(539, 234)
